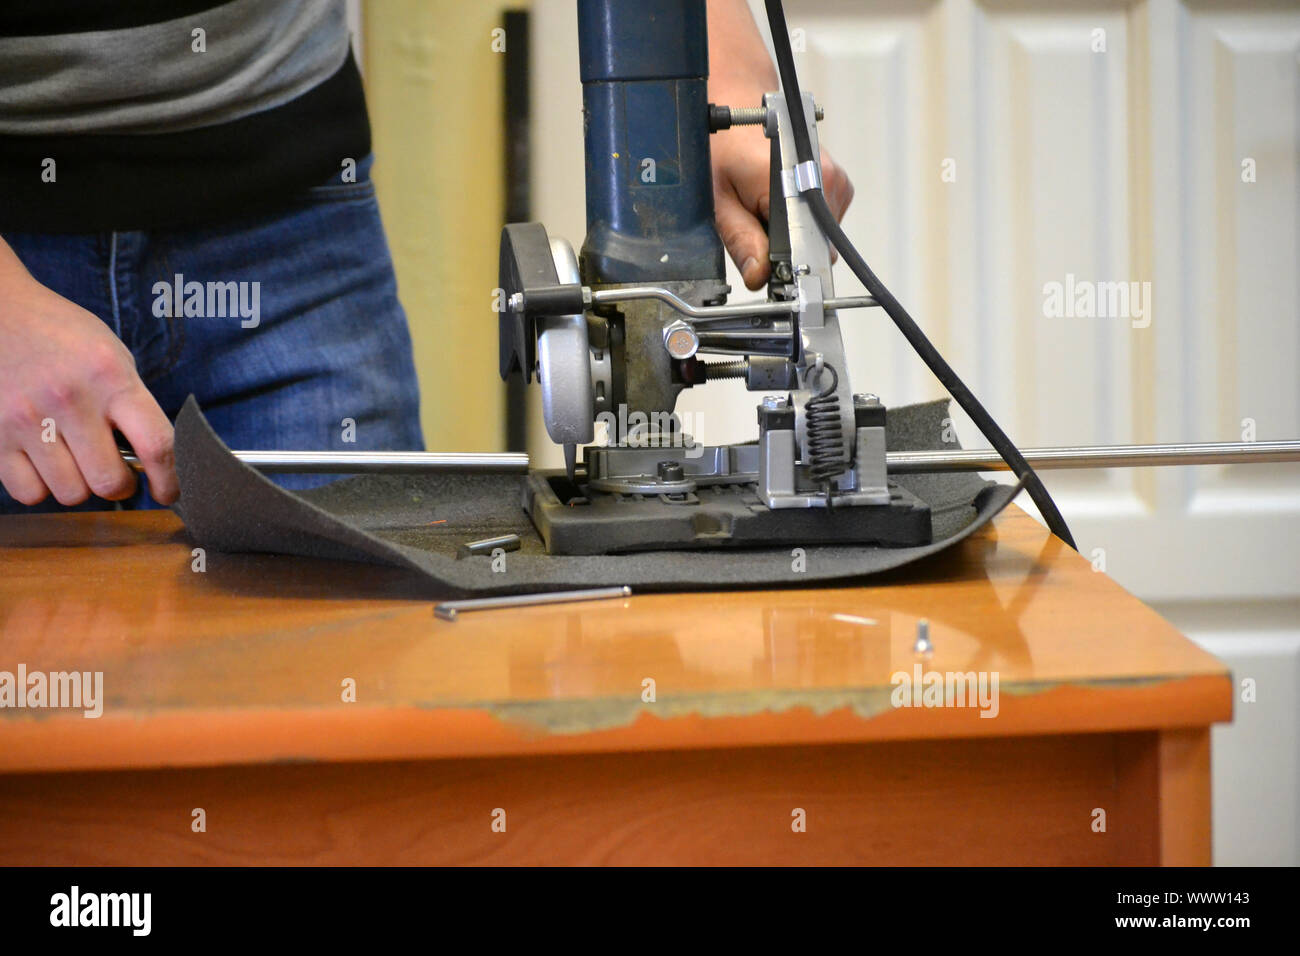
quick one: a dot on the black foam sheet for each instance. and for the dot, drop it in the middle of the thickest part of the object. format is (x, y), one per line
(418, 522)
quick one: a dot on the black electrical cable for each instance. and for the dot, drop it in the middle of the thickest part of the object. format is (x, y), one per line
(906, 324)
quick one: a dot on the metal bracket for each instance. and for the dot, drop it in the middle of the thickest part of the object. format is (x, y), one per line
(803, 177)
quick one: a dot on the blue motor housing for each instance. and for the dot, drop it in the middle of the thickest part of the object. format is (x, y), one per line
(645, 66)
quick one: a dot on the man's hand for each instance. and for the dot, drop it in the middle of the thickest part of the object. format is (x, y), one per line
(741, 72)
(65, 382)
(741, 196)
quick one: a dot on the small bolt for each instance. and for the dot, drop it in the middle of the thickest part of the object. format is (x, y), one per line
(516, 302)
(774, 402)
(783, 272)
(923, 644)
(803, 270)
(670, 471)
(866, 398)
(680, 339)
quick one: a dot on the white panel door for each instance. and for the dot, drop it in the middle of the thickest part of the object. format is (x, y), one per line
(1093, 209)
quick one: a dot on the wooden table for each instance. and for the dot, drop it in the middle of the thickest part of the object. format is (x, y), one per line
(771, 736)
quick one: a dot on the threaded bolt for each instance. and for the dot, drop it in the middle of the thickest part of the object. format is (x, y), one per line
(718, 371)
(757, 115)
(748, 115)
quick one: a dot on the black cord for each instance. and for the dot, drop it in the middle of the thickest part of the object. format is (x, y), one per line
(906, 324)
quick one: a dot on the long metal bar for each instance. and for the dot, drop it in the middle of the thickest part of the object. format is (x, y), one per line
(1098, 456)
(899, 462)
(370, 462)
(450, 610)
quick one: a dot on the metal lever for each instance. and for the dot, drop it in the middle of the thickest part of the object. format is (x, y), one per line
(574, 298)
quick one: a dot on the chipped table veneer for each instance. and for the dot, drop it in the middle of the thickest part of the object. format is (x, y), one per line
(225, 690)
(245, 662)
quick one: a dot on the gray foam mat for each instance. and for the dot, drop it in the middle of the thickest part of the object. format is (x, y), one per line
(419, 521)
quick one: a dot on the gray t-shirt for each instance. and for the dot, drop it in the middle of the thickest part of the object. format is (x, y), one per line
(201, 69)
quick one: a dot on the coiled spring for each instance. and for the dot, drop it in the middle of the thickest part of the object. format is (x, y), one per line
(825, 452)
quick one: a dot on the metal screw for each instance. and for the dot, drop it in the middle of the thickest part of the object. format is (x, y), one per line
(516, 302)
(774, 402)
(923, 644)
(866, 398)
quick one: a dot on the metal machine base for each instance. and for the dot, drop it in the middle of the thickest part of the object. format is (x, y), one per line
(574, 519)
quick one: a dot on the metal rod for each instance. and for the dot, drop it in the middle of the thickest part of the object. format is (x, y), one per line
(899, 462)
(450, 610)
(1098, 456)
(504, 542)
(744, 350)
(369, 462)
(733, 334)
(716, 313)
(851, 302)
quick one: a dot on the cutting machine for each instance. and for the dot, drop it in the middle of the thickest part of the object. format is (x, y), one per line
(614, 333)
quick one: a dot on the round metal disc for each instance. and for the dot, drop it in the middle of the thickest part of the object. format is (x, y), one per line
(642, 485)
(564, 363)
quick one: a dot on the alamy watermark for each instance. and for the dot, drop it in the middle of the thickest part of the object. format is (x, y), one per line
(922, 688)
(53, 690)
(1088, 299)
(75, 908)
(637, 429)
(208, 300)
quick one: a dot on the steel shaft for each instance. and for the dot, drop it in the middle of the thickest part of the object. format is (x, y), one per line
(899, 462)
(1098, 456)
(370, 462)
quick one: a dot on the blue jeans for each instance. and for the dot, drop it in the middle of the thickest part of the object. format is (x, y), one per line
(316, 356)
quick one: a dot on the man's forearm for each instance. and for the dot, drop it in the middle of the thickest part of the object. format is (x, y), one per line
(739, 65)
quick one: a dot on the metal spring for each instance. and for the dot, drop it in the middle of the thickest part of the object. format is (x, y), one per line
(825, 452)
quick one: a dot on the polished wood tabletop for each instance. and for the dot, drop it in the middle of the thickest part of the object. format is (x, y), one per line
(252, 659)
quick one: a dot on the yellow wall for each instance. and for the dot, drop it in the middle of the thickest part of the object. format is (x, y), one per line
(434, 88)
